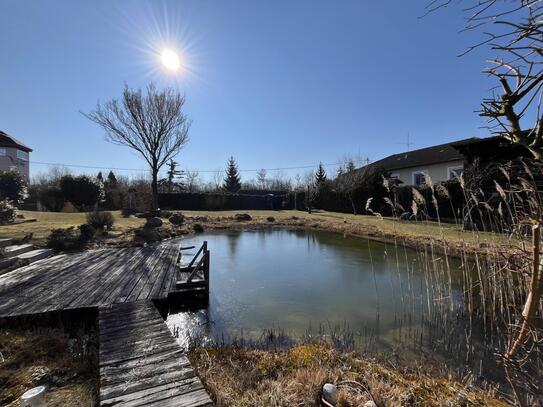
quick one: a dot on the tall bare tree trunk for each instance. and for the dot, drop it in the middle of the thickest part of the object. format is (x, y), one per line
(154, 189)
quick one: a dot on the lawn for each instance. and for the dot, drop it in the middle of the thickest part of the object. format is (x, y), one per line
(46, 221)
(393, 226)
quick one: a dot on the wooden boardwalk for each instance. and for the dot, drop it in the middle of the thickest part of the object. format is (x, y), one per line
(90, 279)
(141, 364)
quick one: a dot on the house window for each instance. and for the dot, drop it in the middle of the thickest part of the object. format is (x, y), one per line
(2, 152)
(22, 155)
(419, 177)
(455, 172)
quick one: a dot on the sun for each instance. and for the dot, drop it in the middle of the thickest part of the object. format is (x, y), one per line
(170, 60)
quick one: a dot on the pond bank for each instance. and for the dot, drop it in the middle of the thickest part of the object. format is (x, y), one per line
(251, 377)
(432, 237)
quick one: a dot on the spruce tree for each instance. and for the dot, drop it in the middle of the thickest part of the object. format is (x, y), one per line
(100, 177)
(232, 181)
(350, 166)
(111, 180)
(320, 175)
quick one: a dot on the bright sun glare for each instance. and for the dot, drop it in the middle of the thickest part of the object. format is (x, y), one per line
(170, 60)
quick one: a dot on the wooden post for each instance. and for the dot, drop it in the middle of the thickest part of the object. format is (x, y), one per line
(206, 266)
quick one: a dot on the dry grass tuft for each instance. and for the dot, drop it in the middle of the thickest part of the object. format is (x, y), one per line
(45, 357)
(250, 377)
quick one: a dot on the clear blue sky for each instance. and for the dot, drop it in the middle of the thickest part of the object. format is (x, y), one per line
(273, 83)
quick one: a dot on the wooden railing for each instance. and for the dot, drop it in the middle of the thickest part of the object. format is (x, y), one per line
(202, 256)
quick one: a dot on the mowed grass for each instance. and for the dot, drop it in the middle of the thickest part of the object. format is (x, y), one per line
(371, 225)
(390, 226)
(47, 221)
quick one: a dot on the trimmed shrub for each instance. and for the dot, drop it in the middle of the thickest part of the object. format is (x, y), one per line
(67, 239)
(13, 186)
(243, 217)
(100, 220)
(53, 199)
(8, 212)
(83, 191)
(86, 232)
(177, 219)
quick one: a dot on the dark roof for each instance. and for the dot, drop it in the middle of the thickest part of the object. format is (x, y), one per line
(9, 141)
(425, 156)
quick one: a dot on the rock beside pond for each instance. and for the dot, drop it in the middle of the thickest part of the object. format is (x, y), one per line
(198, 228)
(243, 217)
(270, 219)
(329, 393)
(153, 222)
(148, 234)
(370, 404)
(176, 219)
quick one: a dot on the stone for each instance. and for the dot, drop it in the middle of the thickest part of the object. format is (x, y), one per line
(270, 219)
(153, 222)
(198, 228)
(370, 403)
(39, 374)
(176, 219)
(243, 217)
(329, 393)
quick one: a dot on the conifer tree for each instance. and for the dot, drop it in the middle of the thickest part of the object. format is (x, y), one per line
(320, 175)
(232, 181)
(350, 166)
(111, 180)
(100, 177)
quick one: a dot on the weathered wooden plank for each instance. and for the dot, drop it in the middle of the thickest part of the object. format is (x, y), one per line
(141, 363)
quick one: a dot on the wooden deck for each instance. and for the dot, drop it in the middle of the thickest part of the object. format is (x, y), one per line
(141, 364)
(90, 279)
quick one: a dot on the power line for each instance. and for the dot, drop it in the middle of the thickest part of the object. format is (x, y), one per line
(203, 171)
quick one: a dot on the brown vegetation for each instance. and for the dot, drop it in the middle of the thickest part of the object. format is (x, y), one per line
(250, 377)
(47, 356)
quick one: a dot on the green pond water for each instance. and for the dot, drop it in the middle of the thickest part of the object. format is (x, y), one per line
(364, 294)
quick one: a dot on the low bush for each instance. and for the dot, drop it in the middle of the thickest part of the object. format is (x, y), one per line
(100, 220)
(86, 232)
(177, 219)
(8, 212)
(67, 239)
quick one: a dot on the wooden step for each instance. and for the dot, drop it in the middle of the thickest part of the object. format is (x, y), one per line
(35, 255)
(6, 262)
(5, 242)
(15, 250)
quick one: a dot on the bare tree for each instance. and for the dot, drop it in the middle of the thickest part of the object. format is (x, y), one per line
(261, 178)
(153, 124)
(514, 30)
(217, 179)
(192, 180)
(351, 179)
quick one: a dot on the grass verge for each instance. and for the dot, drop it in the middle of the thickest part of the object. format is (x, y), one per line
(50, 357)
(249, 377)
